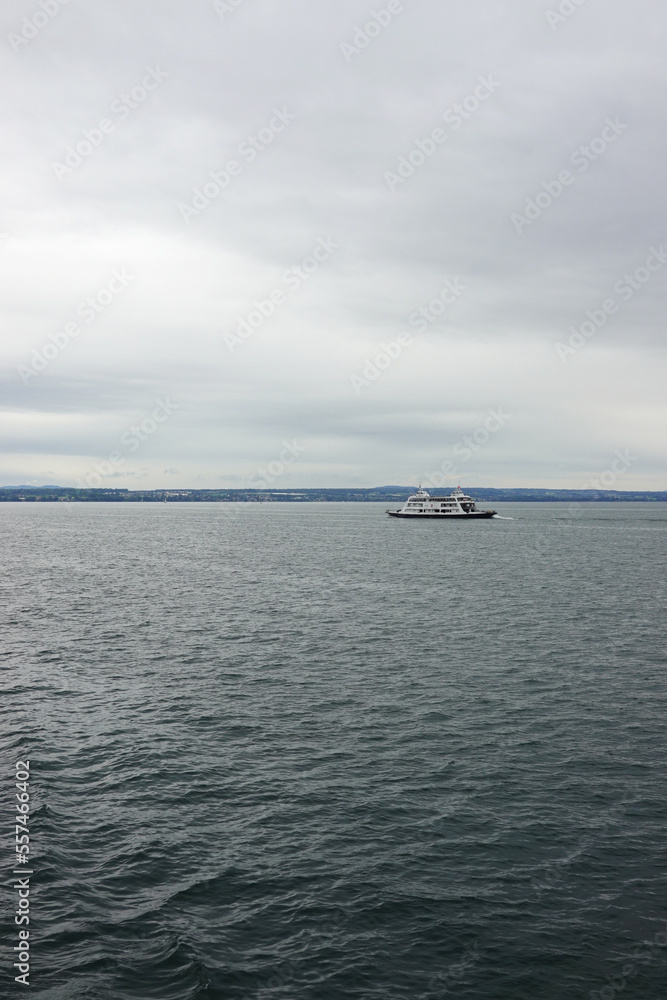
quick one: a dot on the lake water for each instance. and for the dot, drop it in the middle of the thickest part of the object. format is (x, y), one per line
(307, 751)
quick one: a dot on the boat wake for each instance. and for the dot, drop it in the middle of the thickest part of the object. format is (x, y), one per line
(501, 517)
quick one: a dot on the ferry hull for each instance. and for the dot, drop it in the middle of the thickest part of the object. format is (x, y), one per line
(473, 515)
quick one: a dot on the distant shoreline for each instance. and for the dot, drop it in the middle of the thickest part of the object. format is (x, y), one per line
(382, 494)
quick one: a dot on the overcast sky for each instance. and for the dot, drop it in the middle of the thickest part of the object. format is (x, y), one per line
(451, 188)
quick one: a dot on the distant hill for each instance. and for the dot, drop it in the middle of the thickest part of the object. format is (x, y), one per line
(379, 494)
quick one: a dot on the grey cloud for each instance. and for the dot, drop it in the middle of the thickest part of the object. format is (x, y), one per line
(325, 173)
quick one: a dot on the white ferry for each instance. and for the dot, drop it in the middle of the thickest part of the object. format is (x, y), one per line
(458, 504)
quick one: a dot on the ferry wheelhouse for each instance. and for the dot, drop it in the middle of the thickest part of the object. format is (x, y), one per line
(457, 505)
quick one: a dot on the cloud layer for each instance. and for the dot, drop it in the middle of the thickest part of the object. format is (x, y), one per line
(359, 228)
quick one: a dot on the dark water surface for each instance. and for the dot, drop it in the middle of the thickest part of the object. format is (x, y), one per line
(307, 751)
